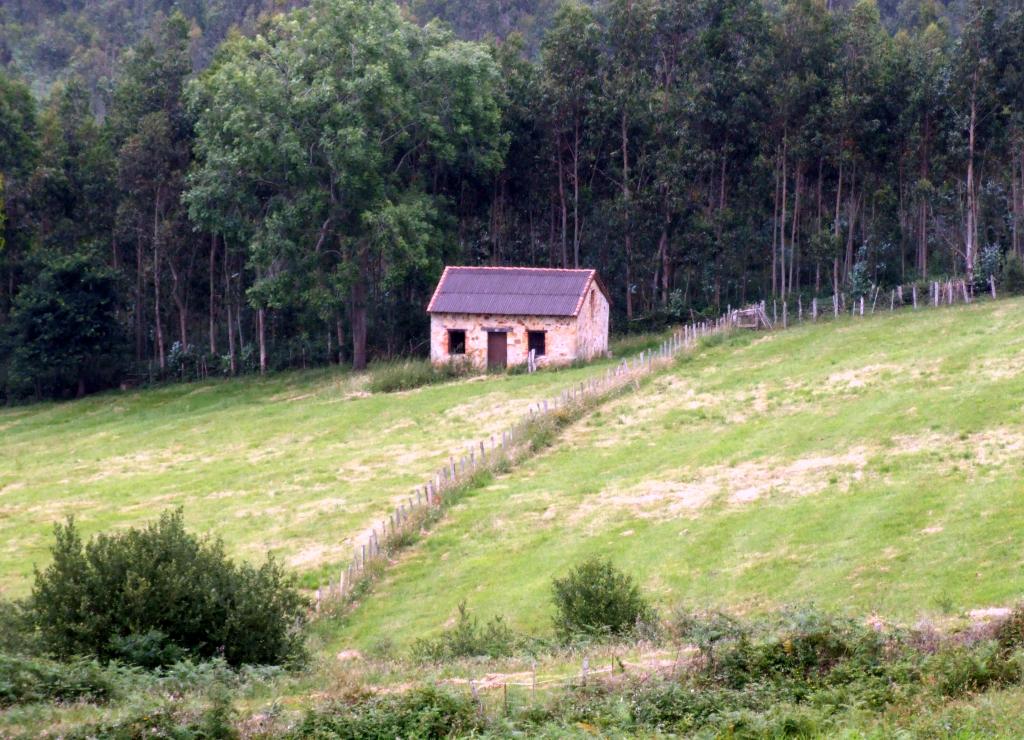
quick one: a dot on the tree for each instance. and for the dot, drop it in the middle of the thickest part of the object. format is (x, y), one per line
(153, 133)
(326, 145)
(64, 334)
(18, 152)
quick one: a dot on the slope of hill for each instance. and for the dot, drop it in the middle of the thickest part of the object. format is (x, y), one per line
(872, 465)
(296, 464)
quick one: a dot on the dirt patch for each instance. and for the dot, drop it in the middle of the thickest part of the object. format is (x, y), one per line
(1002, 368)
(317, 554)
(684, 493)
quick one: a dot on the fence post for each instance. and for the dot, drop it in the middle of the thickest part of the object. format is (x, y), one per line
(992, 284)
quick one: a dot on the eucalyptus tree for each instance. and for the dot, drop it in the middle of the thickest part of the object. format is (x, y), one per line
(18, 151)
(329, 146)
(153, 132)
(570, 60)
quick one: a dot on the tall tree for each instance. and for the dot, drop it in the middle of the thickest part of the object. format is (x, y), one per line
(336, 133)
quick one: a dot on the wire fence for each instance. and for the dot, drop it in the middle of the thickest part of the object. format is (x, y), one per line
(497, 452)
(504, 448)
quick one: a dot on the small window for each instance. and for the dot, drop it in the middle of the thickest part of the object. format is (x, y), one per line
(535, 341)
(593, 294)
(456, 341)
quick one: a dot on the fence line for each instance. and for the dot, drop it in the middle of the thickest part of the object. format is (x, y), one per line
(502, 448)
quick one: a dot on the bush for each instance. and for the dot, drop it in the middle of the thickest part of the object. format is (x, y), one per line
(408, 374)
(24, 680)
(428, 712)
(1013, 275)
(16, 633)
(151, 596)
(468, 639)
(1010, 633)
(597, 599)
(960, 670)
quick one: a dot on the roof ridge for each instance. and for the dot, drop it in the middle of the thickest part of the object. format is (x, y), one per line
(519, 267)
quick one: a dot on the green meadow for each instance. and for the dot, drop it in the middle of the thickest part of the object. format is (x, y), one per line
(296, 464)
(870, 466)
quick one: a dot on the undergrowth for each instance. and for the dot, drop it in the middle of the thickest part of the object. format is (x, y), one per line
(404, 375)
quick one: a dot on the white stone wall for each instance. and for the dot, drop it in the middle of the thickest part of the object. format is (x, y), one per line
(561, 340)
(592, 339)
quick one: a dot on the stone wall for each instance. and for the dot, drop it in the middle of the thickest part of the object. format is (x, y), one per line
(561, 344)
(592, 339)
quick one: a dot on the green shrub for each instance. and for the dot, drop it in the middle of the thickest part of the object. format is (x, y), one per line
(16, 633)
(960, 670)
(427, 712)
(151, 649)
(152, 595)
(1012, 278)
(405, 375)
(597, 599)
(468, 639)
(24, 680)
(1010, 633)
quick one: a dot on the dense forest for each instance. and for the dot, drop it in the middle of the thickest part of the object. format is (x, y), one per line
(229, 186)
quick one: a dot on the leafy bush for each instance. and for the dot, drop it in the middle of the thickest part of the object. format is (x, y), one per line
(428, 712)
(408, 374)
(468, 639)
(597, 599)
(24, 680)
(959, 670)
(150, 596)
(1013, 275)
(1010, 633)
(16, 633)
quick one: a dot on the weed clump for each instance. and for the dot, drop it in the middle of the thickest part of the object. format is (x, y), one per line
(25, 679)
(468, 639)
(406, 375)
(428, 712)
(596, 599)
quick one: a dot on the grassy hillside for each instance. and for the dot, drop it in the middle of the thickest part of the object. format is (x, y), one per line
(295, 464)
(872, 465)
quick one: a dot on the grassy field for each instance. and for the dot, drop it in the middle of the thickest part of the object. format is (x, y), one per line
(296, 464)
(874, 466)
(869, 466)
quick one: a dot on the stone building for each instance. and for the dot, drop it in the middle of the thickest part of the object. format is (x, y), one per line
(493, 316)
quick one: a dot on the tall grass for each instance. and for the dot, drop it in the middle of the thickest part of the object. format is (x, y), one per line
(404, 375)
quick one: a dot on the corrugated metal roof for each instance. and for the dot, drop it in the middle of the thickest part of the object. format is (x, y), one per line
(528, 291)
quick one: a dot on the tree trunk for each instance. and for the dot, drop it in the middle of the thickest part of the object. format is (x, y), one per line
(156, 283)
(261, 329)
(561, 200)
(626, 195)
(922, 215)
(971, 230)
(227, 305)
(576, 196)
(359, 296)
(795, 231)
(775, 234)
(140, 333)
(179, 303)
(835, 232)
(213, 305)
(782, 224)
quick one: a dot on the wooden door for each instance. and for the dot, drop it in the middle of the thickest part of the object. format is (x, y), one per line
(497, 350)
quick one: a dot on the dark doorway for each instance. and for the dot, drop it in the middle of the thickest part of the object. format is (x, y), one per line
(497, 350)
